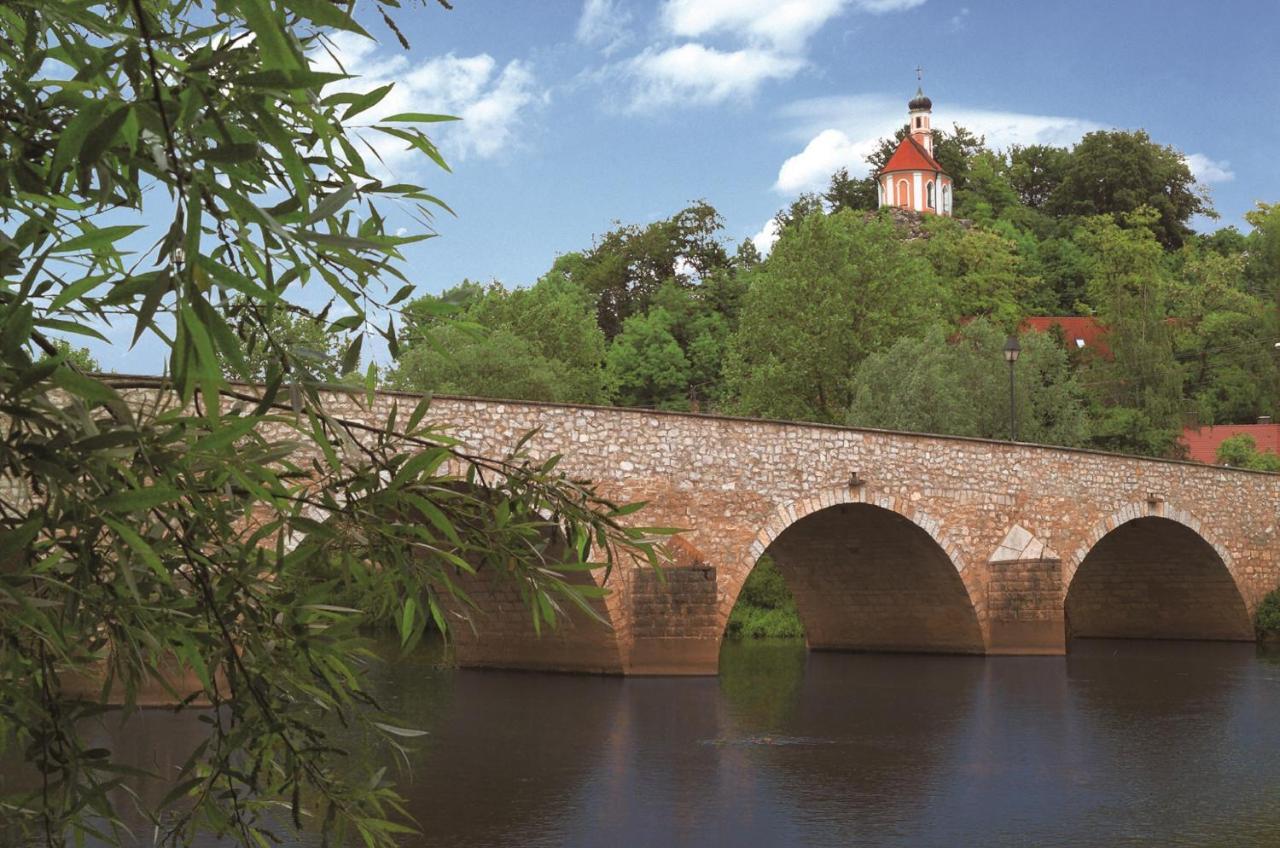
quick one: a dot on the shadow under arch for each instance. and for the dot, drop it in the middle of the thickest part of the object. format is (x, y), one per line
(1150, 572)
(871, 572)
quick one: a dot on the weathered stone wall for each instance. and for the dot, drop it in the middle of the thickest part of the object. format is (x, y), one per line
(675, 620)
(1014, 522)
(1024, 607)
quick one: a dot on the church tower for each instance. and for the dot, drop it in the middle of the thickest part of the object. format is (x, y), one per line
(919, 109)
(912, 178)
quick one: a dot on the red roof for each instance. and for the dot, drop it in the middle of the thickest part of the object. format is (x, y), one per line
(1202, 442)
(911, 156)
(1079, 331)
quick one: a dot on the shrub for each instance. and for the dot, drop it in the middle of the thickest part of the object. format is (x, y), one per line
(765, 607)
(1267, 621)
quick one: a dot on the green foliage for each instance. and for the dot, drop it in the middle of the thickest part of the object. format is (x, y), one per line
(1262, 270)
(1036, 171)
(627, 266)
(960, 386)
(294, 339)
(1241, 451)
(1224, 334)
(1140, 386)
(1267, 619)
(981, 272)
(76, 357)
(835, 288)
(646, 366)
(987, 194)
(539, 343)
(185, 171)
(477, 362)
(765, 608)
(844, 192)
(1116, 173)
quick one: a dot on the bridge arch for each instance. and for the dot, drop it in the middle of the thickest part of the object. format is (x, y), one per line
(869, 571)
(1152, 570)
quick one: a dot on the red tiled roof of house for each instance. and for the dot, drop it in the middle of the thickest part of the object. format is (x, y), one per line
(911, 156)
(1079, 331)
(1202, 442)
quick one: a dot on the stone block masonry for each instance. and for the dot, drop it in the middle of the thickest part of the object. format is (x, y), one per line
(890, 541)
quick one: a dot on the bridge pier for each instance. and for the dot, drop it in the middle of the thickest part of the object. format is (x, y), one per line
(1024, 609)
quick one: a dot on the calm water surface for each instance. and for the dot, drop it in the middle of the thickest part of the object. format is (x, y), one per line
(1117, 744)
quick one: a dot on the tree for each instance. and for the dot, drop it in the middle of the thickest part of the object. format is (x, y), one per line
(1224, 334)
(78, 357)
(629, 263)
(557, 317)
(646, 366)
(1241, 451)
(1262, 270)
(835, 288)
(958, 385)
(802, 207)
(479, 362)
(133, 536)
(539, 343)
(1115, 172)
(844, 192)
(1139, 389)
(980, 272)
(987, 194)
(1036, 171)
(955, 151)
(295, 339)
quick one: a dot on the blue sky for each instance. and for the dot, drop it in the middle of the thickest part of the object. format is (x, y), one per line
(614, 110)
(579, 114)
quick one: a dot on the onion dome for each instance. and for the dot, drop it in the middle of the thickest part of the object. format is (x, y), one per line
(920, 101)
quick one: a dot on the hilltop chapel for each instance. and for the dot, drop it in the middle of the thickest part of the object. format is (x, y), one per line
(912, 178)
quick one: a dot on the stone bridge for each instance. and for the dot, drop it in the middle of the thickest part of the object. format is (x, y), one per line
(889, 541)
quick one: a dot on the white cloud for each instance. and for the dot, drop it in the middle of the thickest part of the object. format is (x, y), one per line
(693, 73)
(880, 7)
(764, 239)
(1208, 170)
(842, 131)
(766, 40)
(781, 24)
(492, 101)
(603, 24)
(826, 153)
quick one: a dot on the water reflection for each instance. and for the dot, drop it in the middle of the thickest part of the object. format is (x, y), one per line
(1119, 743)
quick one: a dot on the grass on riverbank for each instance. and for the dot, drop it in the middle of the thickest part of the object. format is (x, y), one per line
(765, 607)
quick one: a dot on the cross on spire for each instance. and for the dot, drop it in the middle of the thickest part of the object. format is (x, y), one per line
(919, 73)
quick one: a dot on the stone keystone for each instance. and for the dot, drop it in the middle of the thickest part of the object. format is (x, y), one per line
(1020, 545)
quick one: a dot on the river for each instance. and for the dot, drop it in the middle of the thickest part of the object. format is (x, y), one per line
(1116, 744)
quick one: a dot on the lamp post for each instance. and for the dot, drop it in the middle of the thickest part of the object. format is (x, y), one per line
(1011, 351)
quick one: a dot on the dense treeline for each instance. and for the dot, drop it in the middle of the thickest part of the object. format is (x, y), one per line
(887, 320)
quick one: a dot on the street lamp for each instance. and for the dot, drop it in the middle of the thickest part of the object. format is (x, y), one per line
(1011, 351)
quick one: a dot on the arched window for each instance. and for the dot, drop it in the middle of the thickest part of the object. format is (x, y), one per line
(928, 194)
(946, 199)
(904, 195)
(917, 123)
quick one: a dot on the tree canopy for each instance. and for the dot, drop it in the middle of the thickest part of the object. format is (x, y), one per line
(188, 172)
(1187, 321)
